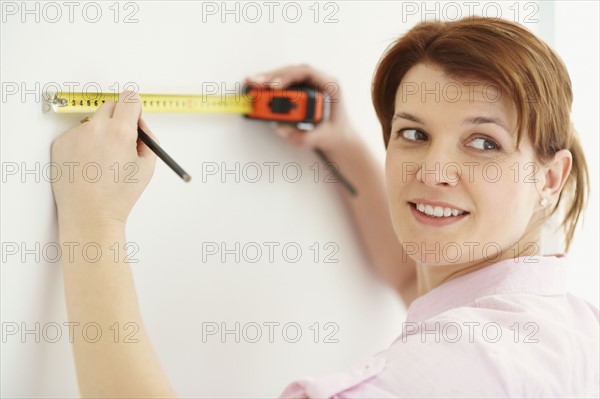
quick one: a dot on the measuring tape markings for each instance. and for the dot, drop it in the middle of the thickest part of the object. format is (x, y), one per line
(78, 102)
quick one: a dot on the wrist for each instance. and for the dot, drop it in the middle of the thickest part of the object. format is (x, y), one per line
(347, 144)
(98, 228)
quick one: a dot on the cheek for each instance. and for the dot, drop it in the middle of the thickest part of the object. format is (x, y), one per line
(395, 187)
(395, 174)
(503, 201)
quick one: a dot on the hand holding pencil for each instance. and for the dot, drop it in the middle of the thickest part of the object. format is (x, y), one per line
(111, 165)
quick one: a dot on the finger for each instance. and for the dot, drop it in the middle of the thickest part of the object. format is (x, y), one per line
(259, 81)
(282, 130)
(302, 138)
(283, 77)
(260, 78)
(295, 136)
(142, 123)
(299, 74)
(106, 110)
(257, 78)
(129, 108)
(143, 150)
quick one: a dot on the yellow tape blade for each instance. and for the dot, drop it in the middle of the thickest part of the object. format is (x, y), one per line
(80, 103)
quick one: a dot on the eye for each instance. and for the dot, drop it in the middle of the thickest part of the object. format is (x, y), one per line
(486, 144)
(412, 134)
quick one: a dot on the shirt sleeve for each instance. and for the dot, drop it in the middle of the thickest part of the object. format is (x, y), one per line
(359, 382)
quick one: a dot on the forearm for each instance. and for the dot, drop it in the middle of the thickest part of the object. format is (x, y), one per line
(370, 214)
(100, 289)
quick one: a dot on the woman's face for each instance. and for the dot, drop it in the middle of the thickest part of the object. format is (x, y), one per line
(452, 150)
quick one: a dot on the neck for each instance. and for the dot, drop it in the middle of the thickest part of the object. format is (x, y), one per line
(430, 276)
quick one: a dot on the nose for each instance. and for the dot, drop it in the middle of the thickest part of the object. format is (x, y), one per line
(437, 168)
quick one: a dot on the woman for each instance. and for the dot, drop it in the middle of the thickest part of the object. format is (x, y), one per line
(480, 152)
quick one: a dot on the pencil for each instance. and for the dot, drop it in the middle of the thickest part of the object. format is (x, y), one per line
(163, 155)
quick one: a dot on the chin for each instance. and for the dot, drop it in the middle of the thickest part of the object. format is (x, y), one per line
(428, 249)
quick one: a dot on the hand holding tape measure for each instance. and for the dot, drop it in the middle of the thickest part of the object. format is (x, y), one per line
(297, 108)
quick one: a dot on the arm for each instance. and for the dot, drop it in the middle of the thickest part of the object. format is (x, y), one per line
(370, 215)
(100, 289)
(369, 209)
(103, 292)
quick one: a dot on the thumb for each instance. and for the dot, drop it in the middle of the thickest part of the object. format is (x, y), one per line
(295, 136)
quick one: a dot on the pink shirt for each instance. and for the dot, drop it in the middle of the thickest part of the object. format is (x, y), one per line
(508, 330)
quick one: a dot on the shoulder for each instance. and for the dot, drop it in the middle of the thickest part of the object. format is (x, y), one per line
(506, 346)
(495, 348)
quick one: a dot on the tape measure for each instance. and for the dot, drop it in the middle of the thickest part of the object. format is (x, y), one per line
(300, 105)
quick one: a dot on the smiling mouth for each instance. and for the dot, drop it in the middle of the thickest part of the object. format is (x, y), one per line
(438, 212)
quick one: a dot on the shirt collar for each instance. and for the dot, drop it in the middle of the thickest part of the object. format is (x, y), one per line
(538, 275)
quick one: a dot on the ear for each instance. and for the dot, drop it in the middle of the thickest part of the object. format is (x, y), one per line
(556, 173)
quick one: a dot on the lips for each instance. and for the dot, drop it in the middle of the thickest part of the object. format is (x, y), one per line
(437, 210)
(436, 213)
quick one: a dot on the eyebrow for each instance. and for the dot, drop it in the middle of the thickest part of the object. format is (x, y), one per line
(476, 120)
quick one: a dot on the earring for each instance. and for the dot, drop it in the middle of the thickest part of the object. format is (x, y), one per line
(543, 202)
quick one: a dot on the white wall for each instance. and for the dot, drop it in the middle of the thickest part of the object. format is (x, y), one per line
(576, 38)
(172, 50)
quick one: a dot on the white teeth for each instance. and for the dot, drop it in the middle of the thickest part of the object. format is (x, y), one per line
(438, 211)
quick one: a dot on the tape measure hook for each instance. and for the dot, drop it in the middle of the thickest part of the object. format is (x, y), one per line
(52, 102)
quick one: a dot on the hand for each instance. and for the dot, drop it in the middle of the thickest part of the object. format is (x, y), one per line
(111, 166)
(327, 135)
